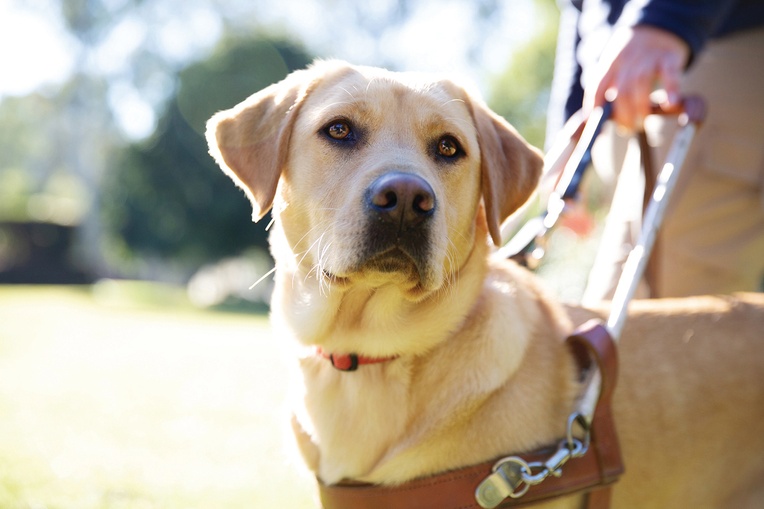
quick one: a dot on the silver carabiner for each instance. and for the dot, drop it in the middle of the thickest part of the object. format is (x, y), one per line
(507, 480)
(577, 447)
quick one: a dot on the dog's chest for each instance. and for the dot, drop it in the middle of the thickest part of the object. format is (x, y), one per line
(356, 417)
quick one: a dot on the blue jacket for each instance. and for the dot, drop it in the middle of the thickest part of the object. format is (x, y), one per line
(695, 21)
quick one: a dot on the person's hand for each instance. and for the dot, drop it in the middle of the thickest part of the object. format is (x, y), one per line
(637, 61)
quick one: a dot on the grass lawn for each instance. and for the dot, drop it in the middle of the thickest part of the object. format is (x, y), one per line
(124, 397)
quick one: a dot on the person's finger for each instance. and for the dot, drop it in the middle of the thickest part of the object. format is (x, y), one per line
(634, 85)
(670, 73)
(597, 96)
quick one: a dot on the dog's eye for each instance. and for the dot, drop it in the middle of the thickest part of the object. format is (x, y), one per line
(338, 130)
(448, 147)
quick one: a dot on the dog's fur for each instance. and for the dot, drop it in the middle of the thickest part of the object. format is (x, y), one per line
(481, 370)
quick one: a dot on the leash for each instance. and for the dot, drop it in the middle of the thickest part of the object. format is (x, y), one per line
(689, 121)
(521, 247)
(693, 113)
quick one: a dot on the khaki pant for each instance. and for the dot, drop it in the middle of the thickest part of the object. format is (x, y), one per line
(712, 239)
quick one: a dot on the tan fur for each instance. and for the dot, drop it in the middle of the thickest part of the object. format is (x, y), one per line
(481, 368)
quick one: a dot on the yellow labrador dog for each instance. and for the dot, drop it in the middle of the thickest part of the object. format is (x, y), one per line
(419, 353)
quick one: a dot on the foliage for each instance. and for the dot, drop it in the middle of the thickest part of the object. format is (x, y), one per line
(165, 197)
(129, 77)
(521, 93)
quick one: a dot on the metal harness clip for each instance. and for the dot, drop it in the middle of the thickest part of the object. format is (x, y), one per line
(513, 476)
(508, 475)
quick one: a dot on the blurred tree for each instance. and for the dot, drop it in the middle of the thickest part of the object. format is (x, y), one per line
(521, 93)
(25, 152)
(165, 197)
(124, 85)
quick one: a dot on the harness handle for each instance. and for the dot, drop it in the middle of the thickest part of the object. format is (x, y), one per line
(567, 161)
(692, 115)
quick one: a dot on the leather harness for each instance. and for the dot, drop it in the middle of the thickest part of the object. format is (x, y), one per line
(591, 474)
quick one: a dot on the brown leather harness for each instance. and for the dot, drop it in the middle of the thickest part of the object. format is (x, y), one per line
(591, 473)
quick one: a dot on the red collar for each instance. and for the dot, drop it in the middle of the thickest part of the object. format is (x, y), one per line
(350, 362)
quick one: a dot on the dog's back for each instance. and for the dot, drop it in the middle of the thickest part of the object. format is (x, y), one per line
(689, 404)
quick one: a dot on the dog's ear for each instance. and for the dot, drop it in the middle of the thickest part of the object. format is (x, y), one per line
(510, 167)
(250, 141)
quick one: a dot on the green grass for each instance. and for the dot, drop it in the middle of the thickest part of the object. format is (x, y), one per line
(123, 396)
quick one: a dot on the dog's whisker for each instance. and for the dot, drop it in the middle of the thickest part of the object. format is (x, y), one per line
(321, 259)
(337, 103)
(314, 247)
(368, 85)
(458, 121)
(348, 92)
(452, 278)
(305, 253)
(318, 266)
(457, 233)
(262, 278)
(310, 230)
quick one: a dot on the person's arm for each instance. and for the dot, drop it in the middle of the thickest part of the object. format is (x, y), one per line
(636, 61)
(650, 49)
(694, 21)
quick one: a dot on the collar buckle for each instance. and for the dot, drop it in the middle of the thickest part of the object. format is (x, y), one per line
(344, 362)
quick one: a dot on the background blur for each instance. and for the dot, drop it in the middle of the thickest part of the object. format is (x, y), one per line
(104, 172)
(136, 365)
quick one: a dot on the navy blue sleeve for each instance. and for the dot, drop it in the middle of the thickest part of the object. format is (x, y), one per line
(692, 20)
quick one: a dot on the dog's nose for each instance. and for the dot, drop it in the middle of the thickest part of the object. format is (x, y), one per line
(401, 198)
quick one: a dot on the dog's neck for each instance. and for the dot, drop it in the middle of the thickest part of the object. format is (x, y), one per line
(347, 415)
(374, 424)
(373, 321)
(351, 362)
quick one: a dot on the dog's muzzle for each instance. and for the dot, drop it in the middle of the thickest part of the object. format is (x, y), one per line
(399, 208)
(401, 200)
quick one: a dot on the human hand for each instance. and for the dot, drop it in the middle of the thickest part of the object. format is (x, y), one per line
(638, 60)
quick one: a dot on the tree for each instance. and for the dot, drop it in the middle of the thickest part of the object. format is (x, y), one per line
(165, 197)
(521, 93)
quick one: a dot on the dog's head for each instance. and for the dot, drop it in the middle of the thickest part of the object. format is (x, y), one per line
(375, 177)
